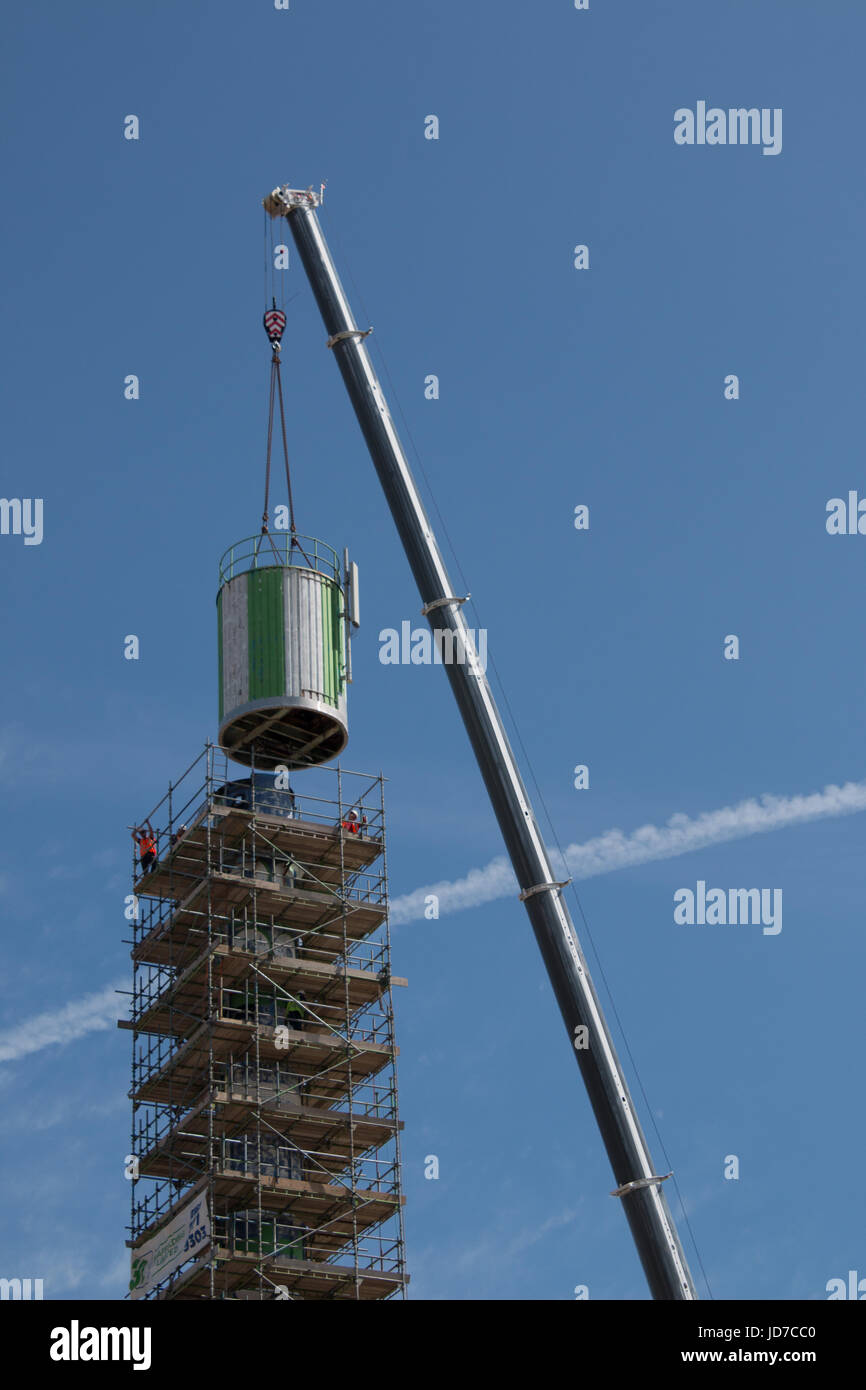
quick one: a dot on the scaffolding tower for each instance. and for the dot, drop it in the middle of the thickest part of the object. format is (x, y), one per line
(265, 1153)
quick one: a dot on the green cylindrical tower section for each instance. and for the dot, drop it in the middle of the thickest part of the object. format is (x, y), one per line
(281, 616)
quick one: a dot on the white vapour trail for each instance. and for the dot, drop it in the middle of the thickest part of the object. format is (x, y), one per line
(63, 1025)
(604, 854)
(617, 850)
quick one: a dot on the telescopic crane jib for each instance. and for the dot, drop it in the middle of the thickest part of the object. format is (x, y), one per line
(638, 1183)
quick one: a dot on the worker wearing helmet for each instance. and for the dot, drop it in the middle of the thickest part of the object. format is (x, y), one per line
(145, 838)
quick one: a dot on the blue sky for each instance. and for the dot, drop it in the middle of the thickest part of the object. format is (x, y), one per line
(558, 387)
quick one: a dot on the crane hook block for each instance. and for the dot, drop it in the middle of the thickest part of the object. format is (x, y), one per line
(275, 323)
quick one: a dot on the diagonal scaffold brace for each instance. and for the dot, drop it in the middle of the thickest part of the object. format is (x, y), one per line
(639, 1185)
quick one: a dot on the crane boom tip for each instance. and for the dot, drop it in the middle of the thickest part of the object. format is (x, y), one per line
(282, 200)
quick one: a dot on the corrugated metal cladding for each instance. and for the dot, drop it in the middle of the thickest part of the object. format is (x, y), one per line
(281, 635)
(332, 645)
(220, 647)
(232, 608)
(314, 637)
(266, 624)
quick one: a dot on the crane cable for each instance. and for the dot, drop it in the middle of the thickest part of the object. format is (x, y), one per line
(274, 323)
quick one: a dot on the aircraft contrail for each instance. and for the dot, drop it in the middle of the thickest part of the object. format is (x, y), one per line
(616, 849)
(63, 1024)
(602, 855)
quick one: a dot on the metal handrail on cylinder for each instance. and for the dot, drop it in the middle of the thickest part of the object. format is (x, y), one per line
(283, 551)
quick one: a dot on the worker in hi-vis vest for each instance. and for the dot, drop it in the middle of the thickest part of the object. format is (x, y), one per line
(295, 1013)
(146, 841)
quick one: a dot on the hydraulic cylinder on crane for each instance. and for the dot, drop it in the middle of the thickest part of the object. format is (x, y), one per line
(639, 1185)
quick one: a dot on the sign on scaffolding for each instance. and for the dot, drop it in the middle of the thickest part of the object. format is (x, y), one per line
(171, 1247)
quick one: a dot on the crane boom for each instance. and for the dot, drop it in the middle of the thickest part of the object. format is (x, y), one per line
(638, 1184)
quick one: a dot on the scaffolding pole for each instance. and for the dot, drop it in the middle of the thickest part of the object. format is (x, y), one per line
(288, 1139)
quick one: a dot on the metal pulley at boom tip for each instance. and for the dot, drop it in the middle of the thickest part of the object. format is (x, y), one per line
(638, 1182)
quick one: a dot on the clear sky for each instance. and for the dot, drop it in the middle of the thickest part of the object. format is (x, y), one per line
(558, 387)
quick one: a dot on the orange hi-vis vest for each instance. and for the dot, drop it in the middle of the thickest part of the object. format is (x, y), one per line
(146, 845)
